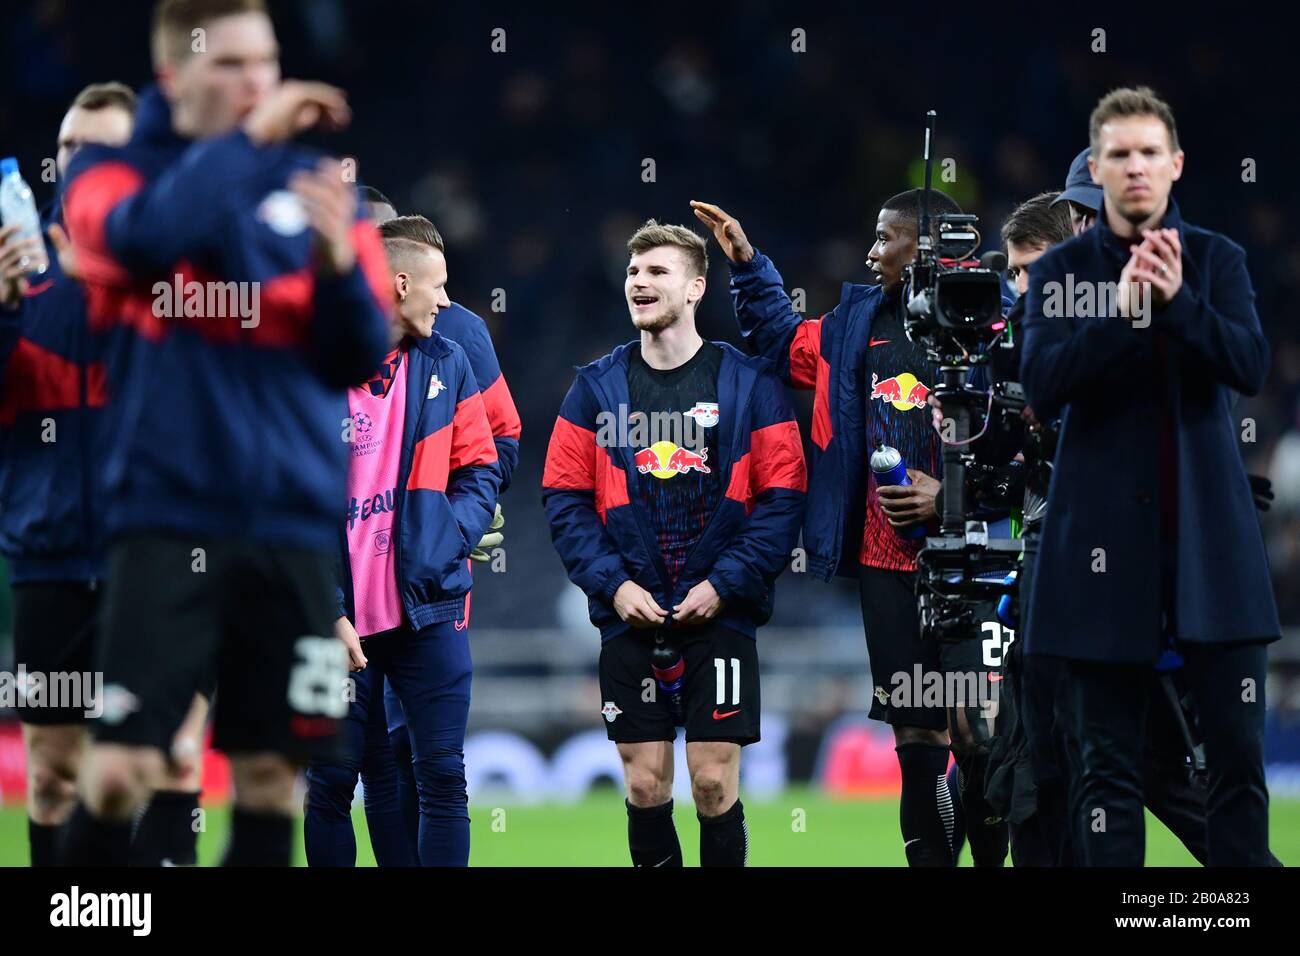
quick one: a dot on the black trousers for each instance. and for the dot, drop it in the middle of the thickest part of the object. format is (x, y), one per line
(1047, 838)
(1108, 706)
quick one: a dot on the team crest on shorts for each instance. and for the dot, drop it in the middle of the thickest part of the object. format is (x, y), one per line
(118, 704)
(610, 711)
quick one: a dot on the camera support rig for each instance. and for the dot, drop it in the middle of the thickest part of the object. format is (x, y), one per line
(953, 302)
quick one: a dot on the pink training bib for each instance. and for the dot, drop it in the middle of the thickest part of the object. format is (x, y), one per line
(378, 410)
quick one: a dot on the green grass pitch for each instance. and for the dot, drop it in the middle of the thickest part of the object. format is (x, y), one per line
(800, 828)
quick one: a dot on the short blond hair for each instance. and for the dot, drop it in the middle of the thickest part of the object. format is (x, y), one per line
(653, 234)
(1131, 101)
(174, 23)
(99, 96)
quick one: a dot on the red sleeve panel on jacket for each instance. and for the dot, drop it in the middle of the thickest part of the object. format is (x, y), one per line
(501, 412)
(88, 201)
(570, 458)
(471, 439)
(430, 460)
(738, 488)
(284, 310)
(809, 370)
(805, 353)
(777, 458)
(574, 463)
(37, 379)
(462, 442)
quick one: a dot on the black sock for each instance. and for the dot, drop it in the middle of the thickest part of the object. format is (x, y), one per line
(259, 839)
(958, 814)
(43, 839)
(651, 836)
(925, 811)
(165, 834)
(985, 830)
(93, 842)
(724, 839)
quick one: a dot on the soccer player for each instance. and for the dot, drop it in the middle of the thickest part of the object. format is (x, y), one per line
(422, 488)
(456, 324)
(226, 465)
(51, 397)
(870, 382)
(1122, 572)
(674, 485)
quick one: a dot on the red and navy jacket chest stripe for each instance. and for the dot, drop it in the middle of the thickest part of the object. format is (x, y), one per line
(604, 539)
(245, 249)
(446, 425)
(47, 353)
(161, 220)
(52, 392)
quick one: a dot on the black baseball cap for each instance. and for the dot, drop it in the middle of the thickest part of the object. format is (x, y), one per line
(1079, 186)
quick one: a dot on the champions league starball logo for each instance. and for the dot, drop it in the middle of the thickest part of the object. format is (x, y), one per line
(363, 423)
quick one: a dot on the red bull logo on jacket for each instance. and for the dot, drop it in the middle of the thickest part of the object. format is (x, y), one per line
(903, 391)
(664, 459)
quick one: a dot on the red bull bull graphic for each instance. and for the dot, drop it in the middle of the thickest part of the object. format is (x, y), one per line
(664, 459)
(903, 391)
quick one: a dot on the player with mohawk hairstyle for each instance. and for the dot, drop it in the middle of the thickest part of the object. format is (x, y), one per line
(422, 487)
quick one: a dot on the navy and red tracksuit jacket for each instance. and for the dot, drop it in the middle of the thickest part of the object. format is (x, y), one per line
(604, 538)
(447, 485)
(470, 332)
(52, 396)
(825, 355)
(227, 427)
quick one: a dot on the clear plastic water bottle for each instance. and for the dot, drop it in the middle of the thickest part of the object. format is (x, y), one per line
(17, 207)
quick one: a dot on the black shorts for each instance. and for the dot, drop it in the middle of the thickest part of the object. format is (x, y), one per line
(924, 683)
(55, 627)
(720, 698)
(178, 611)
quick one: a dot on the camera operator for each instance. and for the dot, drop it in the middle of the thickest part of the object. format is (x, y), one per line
(1139, 473)
(860, 354)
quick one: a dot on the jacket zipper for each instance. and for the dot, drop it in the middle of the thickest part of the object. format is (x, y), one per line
(403, 476)
(652, 553)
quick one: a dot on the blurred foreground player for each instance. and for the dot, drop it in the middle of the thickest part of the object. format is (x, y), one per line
(676, 535)
(226, 467)
(51, 399)
(422, 488)
(1123, 563)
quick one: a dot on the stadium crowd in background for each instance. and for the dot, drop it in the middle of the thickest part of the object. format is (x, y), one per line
(549, 119)
(213, 184)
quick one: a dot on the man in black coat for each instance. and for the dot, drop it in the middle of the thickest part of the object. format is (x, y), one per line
(1138, 332)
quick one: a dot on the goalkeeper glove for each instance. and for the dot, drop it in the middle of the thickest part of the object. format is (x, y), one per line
(491, 539)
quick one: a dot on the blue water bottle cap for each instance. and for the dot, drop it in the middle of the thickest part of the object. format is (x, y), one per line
(8, 165)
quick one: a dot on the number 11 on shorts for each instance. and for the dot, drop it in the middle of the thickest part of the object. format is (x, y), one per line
(720, 665)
